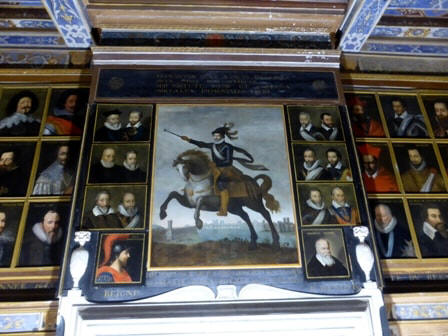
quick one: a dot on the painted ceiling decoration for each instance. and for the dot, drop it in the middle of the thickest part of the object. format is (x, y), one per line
(39, 32)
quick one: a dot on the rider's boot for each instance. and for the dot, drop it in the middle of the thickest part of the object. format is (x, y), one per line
(224, 203)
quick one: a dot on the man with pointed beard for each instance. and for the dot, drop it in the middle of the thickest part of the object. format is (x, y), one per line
(311, 168)
(404, 124)
(6, 241)
(56, 179)
(419, 177)
(392, 240)
(106, 171)
(341, 210)
(111, 130)
(44, 245)
(362, 124)
(102, 215)
(376, 178)
(328, 128)
(433, 237)
(131, 169)
(128, 212)
(307, 131)
(441, 118)
(315, 211)
(135, 130)
(335, 170)
(116, 255)
(323, 263)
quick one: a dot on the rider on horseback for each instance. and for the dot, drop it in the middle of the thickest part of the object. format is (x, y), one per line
(224, 173)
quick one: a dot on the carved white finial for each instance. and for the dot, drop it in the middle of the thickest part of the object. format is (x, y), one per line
(80, 257)
(82, 237)
(364, 254)
(361, 232)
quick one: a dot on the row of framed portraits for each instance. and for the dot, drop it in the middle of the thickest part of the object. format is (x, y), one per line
(42, 111)
(398, 115)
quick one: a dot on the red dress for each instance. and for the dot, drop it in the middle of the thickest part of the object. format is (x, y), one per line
(122, 276)
(373, 130)
(384, 182)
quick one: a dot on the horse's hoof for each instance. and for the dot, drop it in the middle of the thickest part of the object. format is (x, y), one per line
(199, 223)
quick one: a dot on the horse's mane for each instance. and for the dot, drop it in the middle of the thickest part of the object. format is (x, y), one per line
(194, 152)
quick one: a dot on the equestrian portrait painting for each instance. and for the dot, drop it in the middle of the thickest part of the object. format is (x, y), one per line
(222, 194)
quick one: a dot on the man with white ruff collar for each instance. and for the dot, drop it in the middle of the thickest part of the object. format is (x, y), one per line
(315, 211)
(311, 168)
(132, 171)
(327, 127)
(307, 131)
(405, 124)
(341, 210)
(419, 177)
(102, 215)
(135, 130)
(56, 179)
(106, 171)
(433, 237)
(392, 240)
(323, 263)
(19, 121)
(224, 172)
(128, 212)
(111, 130)
(44, 246)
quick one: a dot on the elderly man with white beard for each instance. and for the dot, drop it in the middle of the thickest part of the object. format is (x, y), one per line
(44, 246)
(106, 171)
(132, 171)
(128, 212)
(323, 263)
(112, 129)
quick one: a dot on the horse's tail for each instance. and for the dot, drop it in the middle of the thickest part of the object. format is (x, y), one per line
(271, 203)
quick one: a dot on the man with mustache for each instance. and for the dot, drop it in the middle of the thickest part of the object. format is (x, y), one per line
(135, 130)
(362, 124)
(335, 170)
(13, 181)
(328, 128)
(341, 210)
(106, 171)
(315, 211)
(128, 212)
(420, 177)
(56, 179)
(311, 168)
(19, 121)
(111, 130)
(65, 119)
(102, 215)
(404, 124)
(433, 237)
(323, 263)
(44, 245)
(131, 169)
(307, 131)
(441, 117)
(6, 241)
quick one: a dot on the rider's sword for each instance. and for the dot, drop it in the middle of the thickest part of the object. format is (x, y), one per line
(168, 131)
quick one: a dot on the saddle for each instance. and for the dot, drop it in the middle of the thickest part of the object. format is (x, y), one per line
(236, 184)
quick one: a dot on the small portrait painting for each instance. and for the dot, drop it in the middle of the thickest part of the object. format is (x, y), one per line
(123, 122)
(16, 160)
(377, 172)
(325, 255)
(120, 259)
(430, 222)
(314, 123)
(21, 111)
(43, 241)
(403, 116)
(391, 229)
(418, 167)
(437, 110)
(114, 207)
(328, 204)
(67, 112)
(123, 163)
(321, 162)
(364, 115)
(56, 172)
(10, 214)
